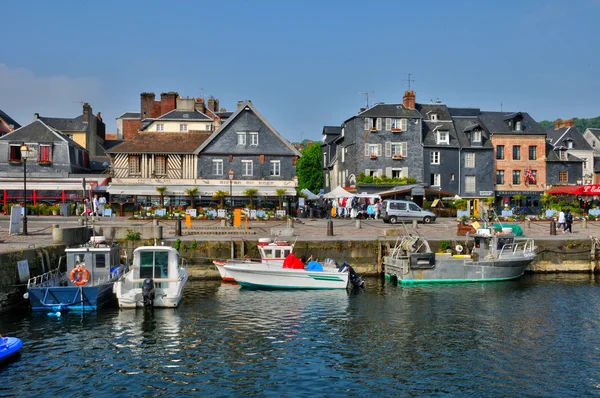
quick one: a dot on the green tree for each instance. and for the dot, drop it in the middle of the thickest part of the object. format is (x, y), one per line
(310, 169)
(192, 192)
(251, 193)
(280, 192)
(161, 191)
(547, 200)
(220, 195)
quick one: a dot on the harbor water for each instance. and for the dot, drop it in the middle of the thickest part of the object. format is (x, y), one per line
(535, 336)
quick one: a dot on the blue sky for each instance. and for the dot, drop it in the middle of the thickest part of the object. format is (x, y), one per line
(304, 64)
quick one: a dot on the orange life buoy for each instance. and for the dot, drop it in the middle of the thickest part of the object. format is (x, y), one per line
(80, 276)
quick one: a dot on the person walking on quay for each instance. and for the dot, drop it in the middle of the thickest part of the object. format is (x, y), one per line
(86, 208)
(568, 222)
(561, 220)
(95, 204)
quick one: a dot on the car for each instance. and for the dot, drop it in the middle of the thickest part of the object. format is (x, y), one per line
(394, 211)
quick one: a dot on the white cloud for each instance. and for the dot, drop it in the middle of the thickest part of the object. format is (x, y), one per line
(22, 93)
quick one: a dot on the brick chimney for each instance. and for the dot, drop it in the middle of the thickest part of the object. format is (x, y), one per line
(87, 111)
(409, 99)
(559, 124)
(36, 115)
(146, 105)
(216, 108)
(211, 104)
(99, 116)
(200, 107)
(168, 102)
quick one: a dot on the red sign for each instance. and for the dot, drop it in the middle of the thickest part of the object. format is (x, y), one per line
(591, 190)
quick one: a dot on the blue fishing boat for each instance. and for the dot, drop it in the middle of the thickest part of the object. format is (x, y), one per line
(85, 284)
(10, 347)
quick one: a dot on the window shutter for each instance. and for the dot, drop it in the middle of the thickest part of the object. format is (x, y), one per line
(404, 124)
(379, 151)
(388, 124)
(367, 172)
(403, 149)
(366, 149)
(388, 172)
(379, 172)
(366, 123)
(388, 149)
(378, 123)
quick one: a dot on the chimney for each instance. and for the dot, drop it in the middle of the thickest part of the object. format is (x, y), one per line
(146, 104)
(362, 110)
(87, 111)
(409, 99)
(99, 116)
(168, 102)
(216, 109)
(211, 104)
(217, 123)
(559, 124)
(200, 105)
(36, 115)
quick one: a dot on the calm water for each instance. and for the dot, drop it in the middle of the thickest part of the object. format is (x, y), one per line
(538, 336)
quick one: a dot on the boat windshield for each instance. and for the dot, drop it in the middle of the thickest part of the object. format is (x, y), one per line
(154, 264)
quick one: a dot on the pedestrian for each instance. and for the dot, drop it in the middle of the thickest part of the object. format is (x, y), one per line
(379, 208)
(568, 221)
(95, 205)
(561, 220)
(86, 208)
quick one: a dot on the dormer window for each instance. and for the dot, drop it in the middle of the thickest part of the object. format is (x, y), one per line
(443, 137)
(562, 155)
(433, 117)
(569, 144)
(476, 138)
(518, 125)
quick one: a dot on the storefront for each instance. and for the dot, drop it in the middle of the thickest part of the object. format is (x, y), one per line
(528, 204)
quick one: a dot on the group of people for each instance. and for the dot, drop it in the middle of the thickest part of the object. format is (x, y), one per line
(350, 207)
(565, 220)
(95, 209)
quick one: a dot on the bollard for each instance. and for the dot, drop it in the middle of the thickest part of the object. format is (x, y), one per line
(584, 224)
(290, 223)
(414, 224)
(311, 213)
(528, 222)
(178, 227)
(80, 222)
(552, 227)
(155, 223)
(330, 228)
(357, 223)
(223, 223)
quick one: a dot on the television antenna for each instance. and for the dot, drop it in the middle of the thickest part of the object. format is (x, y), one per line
(366, 94)
(409, 80)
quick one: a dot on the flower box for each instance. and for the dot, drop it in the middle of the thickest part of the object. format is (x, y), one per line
(44, 162)
(397, 157)
(373, 156)
(373, 129)
(395, 130)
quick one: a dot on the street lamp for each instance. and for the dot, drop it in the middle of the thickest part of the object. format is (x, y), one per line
(295, 179)
(231, 195)
(24, 156)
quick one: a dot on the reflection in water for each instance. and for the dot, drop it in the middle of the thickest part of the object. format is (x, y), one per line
(536, 335)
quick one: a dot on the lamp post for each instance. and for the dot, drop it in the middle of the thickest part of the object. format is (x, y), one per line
(231, 195)
(296, 192)
(24, 156)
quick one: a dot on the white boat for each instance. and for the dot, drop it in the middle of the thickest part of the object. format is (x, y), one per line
(271, 252)
(155, 279)
(328, 276)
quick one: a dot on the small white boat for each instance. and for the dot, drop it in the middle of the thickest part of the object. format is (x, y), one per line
(323, 276)
(271, 252)
(155, 279)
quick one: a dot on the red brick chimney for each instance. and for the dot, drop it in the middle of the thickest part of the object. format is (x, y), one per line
(146, 105)
(409, 99)
(559, 124)
(211, 104)
(200, 106)
(168, 102)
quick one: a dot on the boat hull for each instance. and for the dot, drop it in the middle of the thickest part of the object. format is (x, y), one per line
(285, 278)
(73, 298)
(10, 348)
(164, 298)
(458, 270)
(220, 265)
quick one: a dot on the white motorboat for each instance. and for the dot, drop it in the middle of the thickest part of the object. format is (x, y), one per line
(271, 252)
(155, 279)
(314, 276)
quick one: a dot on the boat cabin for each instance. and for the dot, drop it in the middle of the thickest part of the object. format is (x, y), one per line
(101, 260)
(277, 250)
(156, 262)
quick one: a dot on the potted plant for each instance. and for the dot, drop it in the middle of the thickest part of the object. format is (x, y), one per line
(55, 209)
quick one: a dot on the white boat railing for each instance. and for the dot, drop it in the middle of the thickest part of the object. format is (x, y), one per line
(528, 246)
(45, 278)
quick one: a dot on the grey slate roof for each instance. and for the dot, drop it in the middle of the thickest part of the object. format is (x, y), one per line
(429, 133)
(37, 131)
(464, 112)
(559, 137)
(441, 110)
(552, 155)
(130, 115)
(389, 110)
(184, 115)
(331, 133)
(9, 120)
(224, 115)
(495, 122)
(595, 132)
(463, 125)
(64, 124)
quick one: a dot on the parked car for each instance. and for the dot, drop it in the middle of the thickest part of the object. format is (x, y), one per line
(394, 211)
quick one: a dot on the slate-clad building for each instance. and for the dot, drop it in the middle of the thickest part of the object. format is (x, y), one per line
(331, 135)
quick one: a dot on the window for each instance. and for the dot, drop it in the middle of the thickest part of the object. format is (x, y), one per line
(343, 128)
(435, 157)
(433, 117)
(15, 154)
(247, 167)
(399, 124)
(533, 152)
(395, 149)
(183, 128)
(388, 124)
(518, 125)
(476, 136)
(100, 260)
(343, 152)
(208, 127)
(241, 139)
(372, 150)
(470, 183)
(443, 137)
(253, 139)
(563, 176)
(452, 177)
(324, 159)
(500, 152)
(69, 136)
(160, 127)
(516, 177)
(275, 169)
(378, 123)
(160, 165)
(500, 177)
(134, 165)
(516, 152)
(470, 159)
(569, 144)
(45, 154)
(368, 123)
(435, 180)
(218, 167)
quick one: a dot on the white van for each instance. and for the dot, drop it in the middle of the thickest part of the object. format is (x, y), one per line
(394, 211)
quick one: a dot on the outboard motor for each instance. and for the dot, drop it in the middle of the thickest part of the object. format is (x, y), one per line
(148, 292)
(353, 277)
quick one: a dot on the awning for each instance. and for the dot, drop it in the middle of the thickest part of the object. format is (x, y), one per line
(203, 190)
(566, 190)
